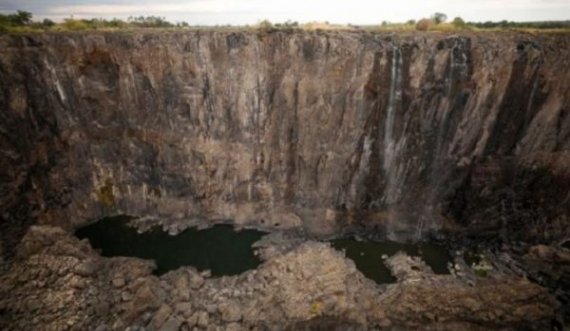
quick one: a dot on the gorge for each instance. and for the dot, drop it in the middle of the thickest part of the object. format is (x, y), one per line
(307, 135)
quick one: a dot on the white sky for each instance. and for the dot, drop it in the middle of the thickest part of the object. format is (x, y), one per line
(211, 12)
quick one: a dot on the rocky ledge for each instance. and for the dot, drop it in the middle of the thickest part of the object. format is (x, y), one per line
(58, 282)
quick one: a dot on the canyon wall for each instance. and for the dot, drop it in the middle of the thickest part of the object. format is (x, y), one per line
(327, 131)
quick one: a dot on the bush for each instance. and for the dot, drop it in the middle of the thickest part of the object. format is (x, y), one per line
(423, 24)
(458, 22)
(291, 24)
(150, 22)
(438, 18)
(48, 23)
(20, 19)
(73, 24)
(265, 25)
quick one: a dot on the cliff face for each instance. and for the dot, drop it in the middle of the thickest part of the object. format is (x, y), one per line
(404, 132)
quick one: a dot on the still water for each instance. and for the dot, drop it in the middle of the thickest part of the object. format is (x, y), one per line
(225, 251)
(221, 248)
(367, 255)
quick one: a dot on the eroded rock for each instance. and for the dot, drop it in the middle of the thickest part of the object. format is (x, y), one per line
(311, 130)
(311, 284)
(407, 268)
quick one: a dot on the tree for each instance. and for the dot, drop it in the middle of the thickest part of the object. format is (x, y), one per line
(150, 22)
(48, 23)
(265, 25)
(438, 18)
(21, 17)
(423, 24)
(458, 22)
(291, 24)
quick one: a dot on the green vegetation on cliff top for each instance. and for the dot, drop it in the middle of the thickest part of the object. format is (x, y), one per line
(22, 21)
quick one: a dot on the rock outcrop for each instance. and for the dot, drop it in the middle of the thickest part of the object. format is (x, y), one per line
(60, 283)
(320, 130)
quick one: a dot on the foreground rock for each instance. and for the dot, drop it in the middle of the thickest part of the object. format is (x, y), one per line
(550, 267)
(59, 282)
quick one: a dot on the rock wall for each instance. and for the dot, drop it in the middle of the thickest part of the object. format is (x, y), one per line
(322, 130)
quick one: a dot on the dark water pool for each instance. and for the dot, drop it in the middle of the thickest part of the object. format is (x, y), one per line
(367, 255)
(221, 249)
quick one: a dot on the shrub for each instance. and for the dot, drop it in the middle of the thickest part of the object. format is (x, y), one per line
(105, 194)
(423, 24)
(316, 308)
(48, 23)
(438, 18)
(150, 22)
(73, 24)
(458, 22)
(21, 18)
(291, 24)
(265, 25)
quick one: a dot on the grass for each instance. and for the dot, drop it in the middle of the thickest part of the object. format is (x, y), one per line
(10, 23)
(443, 29)
(448, 27)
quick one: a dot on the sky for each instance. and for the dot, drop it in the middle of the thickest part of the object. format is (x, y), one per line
(214, 12)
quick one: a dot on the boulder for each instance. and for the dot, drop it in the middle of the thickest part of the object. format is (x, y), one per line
(230, 312)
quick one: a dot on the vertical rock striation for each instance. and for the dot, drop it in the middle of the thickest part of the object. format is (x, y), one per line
(322, 130)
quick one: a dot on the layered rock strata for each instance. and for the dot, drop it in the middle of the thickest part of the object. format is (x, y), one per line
(402, 132)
